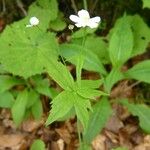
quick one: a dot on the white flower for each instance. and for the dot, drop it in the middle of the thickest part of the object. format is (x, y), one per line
(83, 19)
(33, 22)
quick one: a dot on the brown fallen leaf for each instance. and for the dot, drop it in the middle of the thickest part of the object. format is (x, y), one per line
(11, 141)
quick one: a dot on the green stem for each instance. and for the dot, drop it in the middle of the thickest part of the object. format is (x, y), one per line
(85, 4)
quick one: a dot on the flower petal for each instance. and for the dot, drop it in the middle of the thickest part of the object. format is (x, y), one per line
(92, 24)
(96, 19)
(74, 18)
(78, 25)
(83, 14)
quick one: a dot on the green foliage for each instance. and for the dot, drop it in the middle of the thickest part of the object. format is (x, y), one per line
(7, 82)
(141, 34)
(140, 71)
(37, 145)
(101, 111)
(142, 111)
(146, 3)
(19, 107)
(6, 100)
(121, 42)
(91, 62)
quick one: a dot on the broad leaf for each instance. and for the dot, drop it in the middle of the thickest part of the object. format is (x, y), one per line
(18, 56)
(146, 3)
(141, 34)
(140, 71)
(121, 42)
(98, 118)
(7, 82)
(72, 51)
(6, 100)
(19, 107)
(142, 111)
(38, 145)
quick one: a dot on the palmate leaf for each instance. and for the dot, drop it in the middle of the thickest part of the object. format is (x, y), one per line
(140, 110)
(121, 42)
(24, 56)
(140, 71)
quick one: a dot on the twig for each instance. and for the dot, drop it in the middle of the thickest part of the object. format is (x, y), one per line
(132, 85)
(20, 5)
(4, 5)
(74, 6)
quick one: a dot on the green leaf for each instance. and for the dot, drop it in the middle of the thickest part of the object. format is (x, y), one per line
(7, 82)
(19, 107)
(42, 86)
(18, 56)
(121, 42)
(114, 76)
(37, 109)
(90, 93)
(72, 51)
(6, 100)
(92, 84)
(33, 97)
(59, 73)
(81, 106)
(38, 145)
(61, 105)
(140, 71)
(98, 118)
(81, 32)
(51, 6)
(146, 3)
(140, 110)
(98, 46)
(141, 34)
(58, 24)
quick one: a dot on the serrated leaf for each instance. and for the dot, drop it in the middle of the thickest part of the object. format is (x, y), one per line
(37, 109)
(6, 100)
(90, 93)
(92, 84)
(38, 145)
(98, 118)
(146, 3)
(140, 110)
(121, 42)
(141, 34)
(114, 76)
(19, 107)
(81, 106)
(61, 105)
(18, 56)
(140, 71)
(7, 82)
(72, 51)
(59, 73)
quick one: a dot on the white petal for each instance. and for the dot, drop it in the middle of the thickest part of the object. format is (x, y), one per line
(96, 19)
(79, 25)
(74, 18)
(34, 21)
(92, 24)
(83, 14)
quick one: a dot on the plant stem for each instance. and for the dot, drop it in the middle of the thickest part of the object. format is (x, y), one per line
(74, 6)
(85, 4)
